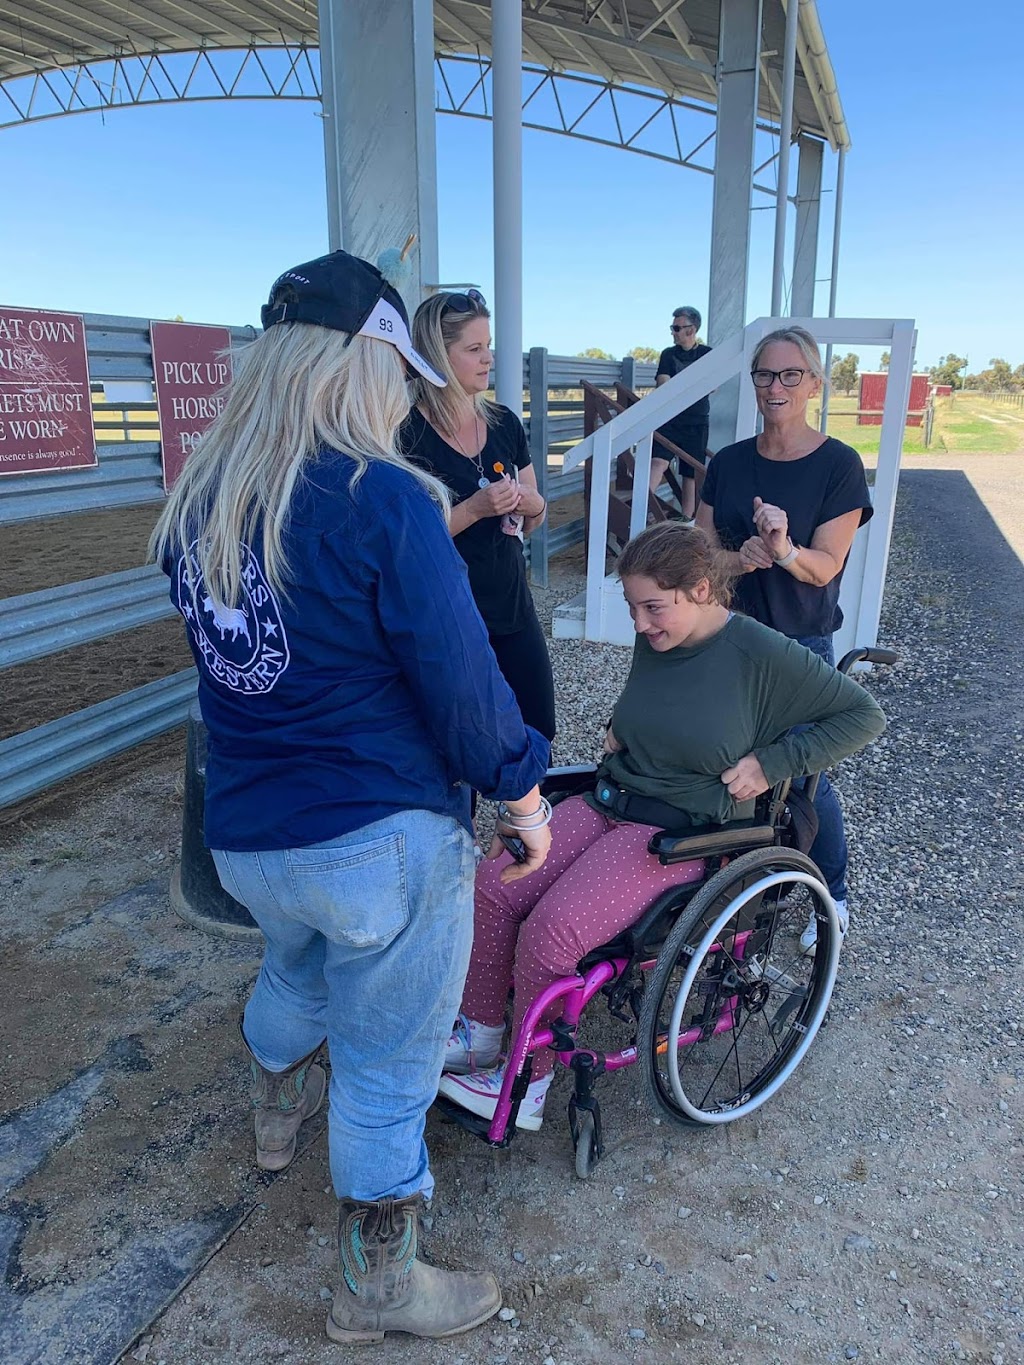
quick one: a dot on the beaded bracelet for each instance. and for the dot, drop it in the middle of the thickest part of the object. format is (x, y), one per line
(535, 820)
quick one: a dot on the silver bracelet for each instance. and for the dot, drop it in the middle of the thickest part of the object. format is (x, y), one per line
(535, 820)
(788, 559)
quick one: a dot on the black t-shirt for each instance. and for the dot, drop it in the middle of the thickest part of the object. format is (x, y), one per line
(497, 569)
(673, 360)
(817, 488)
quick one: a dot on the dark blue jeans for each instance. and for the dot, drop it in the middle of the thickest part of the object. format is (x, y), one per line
(829, 848)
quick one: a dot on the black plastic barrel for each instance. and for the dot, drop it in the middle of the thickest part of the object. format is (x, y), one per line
(196, 892)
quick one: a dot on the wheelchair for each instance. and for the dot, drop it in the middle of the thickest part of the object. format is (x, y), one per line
(721, 1001)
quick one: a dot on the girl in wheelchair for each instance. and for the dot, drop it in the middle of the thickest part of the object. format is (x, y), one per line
(702, 728)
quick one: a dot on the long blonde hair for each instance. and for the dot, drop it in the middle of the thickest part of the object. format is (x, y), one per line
(433, 332)
(297, 389)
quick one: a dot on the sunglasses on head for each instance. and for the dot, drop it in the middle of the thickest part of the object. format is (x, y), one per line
(469, 302)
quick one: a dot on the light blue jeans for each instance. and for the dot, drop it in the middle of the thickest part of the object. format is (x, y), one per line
(367, 942)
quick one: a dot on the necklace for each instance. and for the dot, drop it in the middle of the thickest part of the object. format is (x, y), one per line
(483, 481)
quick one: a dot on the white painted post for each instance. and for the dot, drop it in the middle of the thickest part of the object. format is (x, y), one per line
(507, 131)
(597, 541)
(641, 483)
(887, 477)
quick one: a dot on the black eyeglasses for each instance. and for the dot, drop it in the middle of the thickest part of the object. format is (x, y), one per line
(677, 328)
(789, 379)
(469, 302)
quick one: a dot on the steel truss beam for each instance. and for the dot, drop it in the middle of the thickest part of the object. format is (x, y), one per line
(632, 119)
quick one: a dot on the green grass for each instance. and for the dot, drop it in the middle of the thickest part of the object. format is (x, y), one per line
(971, 425)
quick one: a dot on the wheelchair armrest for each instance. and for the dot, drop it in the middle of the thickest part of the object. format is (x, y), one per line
(569, 780)
(706, 841)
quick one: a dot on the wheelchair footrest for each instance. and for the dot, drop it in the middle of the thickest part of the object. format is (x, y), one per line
(473, 1123)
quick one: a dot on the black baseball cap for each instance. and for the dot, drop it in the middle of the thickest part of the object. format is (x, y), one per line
(347, 294)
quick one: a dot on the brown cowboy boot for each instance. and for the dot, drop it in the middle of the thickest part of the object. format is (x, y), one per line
(384, 1288)
(283, 1100)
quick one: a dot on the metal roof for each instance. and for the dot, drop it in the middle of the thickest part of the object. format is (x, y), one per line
(665, 45)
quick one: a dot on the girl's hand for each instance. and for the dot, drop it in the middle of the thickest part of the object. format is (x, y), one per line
(611, 744)
(746, 779)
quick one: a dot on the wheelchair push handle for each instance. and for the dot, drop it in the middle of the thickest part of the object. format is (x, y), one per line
(867, 654)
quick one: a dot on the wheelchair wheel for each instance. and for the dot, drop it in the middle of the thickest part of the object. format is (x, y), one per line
(731, 1006)
(585, 1145)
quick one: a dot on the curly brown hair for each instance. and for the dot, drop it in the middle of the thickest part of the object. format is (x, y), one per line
(677, 557)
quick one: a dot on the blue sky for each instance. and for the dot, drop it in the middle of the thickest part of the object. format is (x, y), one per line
(195, 209)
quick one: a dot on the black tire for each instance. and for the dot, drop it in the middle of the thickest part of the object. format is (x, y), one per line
(732, 982)
(585, 1145)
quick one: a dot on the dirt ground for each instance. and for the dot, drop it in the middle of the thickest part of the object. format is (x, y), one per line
(871, 1211)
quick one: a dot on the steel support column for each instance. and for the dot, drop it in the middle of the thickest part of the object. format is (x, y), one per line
(507, 131)
(785, 140)
(833, 284)
(377, 75)
(736, 122)
(810, 153)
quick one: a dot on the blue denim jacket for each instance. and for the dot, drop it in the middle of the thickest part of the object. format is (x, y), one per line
(366, 688)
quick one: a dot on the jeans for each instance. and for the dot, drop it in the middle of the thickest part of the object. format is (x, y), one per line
(829, 848)
(367, 942)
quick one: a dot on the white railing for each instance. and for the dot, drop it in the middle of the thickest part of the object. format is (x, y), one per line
(605, 616)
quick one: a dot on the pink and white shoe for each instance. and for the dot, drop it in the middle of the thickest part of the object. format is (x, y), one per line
(478, 1093)
(472, 1046)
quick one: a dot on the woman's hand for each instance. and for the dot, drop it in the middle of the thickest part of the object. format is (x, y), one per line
(531, 504)
(496, 499)
(773, 527)
(746, 779)
(611, 745)
(754, 554)
(535, 841)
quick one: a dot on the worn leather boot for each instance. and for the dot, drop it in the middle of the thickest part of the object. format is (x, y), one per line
(384, 1288)
(283, 1100)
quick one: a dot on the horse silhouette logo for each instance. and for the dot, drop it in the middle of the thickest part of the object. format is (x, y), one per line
(228, 619)
(243, 648)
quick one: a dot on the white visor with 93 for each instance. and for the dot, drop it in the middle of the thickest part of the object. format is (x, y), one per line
(387, 324)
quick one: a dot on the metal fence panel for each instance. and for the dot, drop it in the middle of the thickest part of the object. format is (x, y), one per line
(128, 473)
(37, 759)
(42, 623)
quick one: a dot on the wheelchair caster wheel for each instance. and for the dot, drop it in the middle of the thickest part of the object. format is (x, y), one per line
(586, 1146)
(585, 1127)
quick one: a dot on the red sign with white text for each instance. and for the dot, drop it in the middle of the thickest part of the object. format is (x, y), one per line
(45, 400)
(191, 369)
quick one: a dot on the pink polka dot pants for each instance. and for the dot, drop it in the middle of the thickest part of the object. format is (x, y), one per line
(598, 880)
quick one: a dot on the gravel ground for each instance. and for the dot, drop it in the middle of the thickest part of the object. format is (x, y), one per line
(871, 1211)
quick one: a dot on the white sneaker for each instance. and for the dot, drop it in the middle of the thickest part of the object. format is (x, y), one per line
(809, 937)
(472, 1046)
(479, 1094)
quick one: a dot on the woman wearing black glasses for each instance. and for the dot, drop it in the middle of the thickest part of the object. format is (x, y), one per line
(688, 430)
(784, 507)
(478, 449)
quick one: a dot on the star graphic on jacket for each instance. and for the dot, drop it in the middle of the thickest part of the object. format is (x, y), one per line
(270, 628)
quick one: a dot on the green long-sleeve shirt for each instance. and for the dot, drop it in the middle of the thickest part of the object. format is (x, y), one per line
(686, 715)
